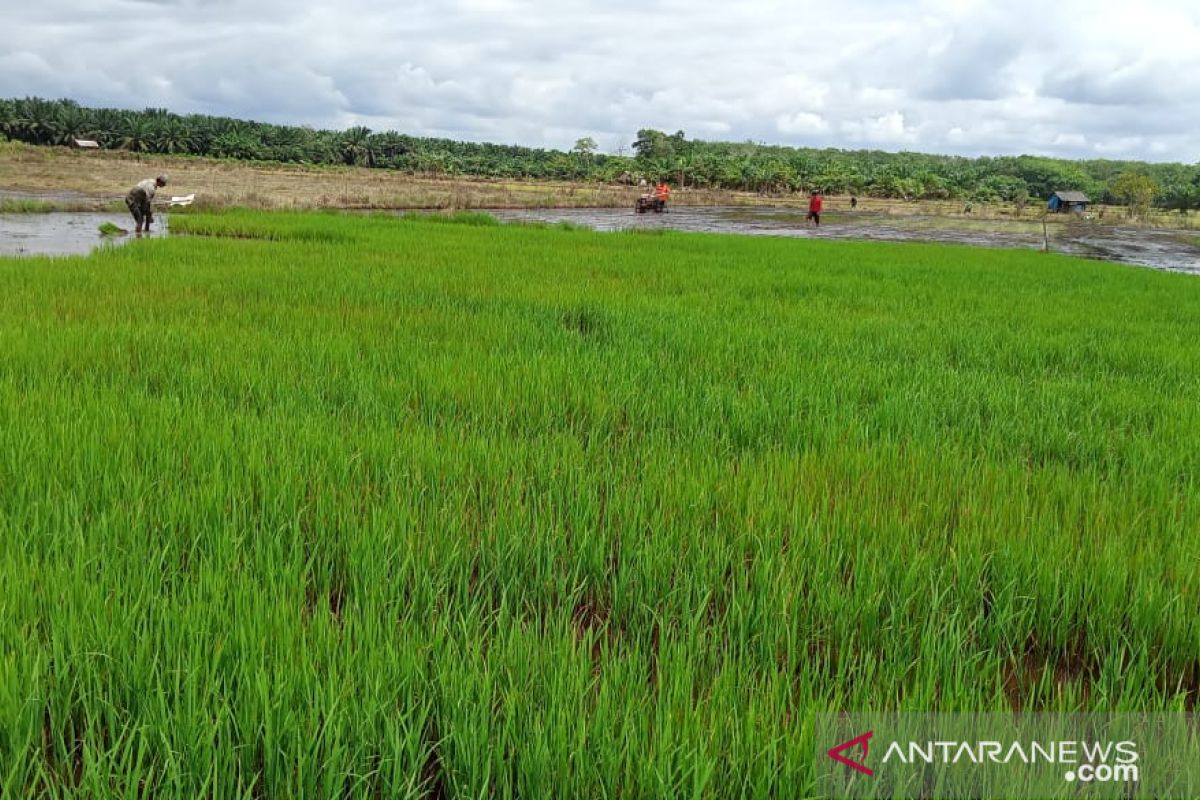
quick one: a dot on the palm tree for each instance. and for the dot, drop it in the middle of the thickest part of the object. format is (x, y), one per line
(356, 146)
(73, 123)
(37, 120)
(105, 126)
(236, 144)
(135, 132)
(390, 144)
(170, 135)
(8, 118)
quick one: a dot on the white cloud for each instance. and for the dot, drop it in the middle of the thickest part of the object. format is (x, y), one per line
(1114, 147)
(802, 123)
(887, 129)
(1074, 78)
(1073, 140)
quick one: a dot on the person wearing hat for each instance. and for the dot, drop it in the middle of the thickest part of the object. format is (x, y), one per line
(139, 198)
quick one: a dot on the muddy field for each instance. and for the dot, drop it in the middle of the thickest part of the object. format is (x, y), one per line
(65, 233)
(75, 233)
(1160, 249)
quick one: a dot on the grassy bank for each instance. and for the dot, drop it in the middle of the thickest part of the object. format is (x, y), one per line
(305, 505)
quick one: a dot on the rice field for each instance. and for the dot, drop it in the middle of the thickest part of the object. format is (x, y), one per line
(317, 505)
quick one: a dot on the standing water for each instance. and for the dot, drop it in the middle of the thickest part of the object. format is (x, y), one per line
(1174, 250)
(66, 233)
(77, 233)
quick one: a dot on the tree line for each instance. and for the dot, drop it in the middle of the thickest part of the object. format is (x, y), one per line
(916, 176)
(746, 166)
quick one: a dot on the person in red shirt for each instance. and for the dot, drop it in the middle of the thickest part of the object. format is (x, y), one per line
(814, 208)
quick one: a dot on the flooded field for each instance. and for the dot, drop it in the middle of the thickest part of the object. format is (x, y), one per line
(66, 233)
(76, 233)
(1178, 251)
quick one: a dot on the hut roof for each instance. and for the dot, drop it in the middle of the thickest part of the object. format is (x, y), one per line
(1073, 197)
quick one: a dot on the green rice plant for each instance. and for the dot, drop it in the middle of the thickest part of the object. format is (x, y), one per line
(22, 205)
(31, 205)
(543, 225)
(267, 225)
(307, 505)
(475, 218)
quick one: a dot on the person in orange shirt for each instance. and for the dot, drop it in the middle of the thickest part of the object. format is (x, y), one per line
(662, 193)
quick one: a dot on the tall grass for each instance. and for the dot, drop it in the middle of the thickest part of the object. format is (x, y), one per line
(407, 508)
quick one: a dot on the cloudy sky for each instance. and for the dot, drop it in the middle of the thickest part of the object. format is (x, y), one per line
(1080, 79)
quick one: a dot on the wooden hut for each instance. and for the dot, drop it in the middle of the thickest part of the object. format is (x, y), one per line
(1073, 202)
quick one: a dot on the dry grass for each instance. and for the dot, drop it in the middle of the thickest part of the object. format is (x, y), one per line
(64, 176)
(74, 180)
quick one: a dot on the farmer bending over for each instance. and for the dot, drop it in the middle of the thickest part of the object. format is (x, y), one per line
(138, 201)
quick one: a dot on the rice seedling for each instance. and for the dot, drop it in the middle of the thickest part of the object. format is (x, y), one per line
(312, 505)
(22, 205)
(455, 217)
